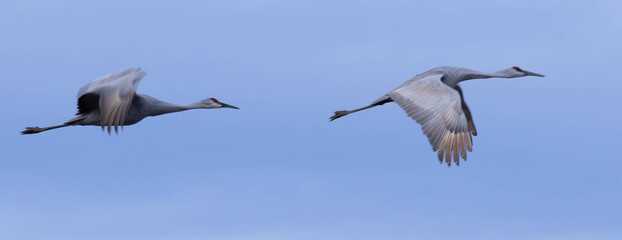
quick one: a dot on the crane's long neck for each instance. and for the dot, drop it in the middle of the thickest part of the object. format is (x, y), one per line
(453, 78)
(481, 75)
(154, 107)
(164, 108)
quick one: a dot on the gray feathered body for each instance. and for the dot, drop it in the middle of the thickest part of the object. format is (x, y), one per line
(451, 77)
(142, 106)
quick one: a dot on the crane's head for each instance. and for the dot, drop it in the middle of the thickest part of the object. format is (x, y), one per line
(518, 72)
(213, 103)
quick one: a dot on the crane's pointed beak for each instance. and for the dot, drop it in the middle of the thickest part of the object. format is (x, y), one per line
(224, 105)
(532, 74)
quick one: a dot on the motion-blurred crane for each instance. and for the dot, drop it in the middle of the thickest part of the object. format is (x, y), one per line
(112, 101)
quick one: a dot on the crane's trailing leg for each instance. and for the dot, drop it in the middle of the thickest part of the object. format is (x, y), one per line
(339, 114)
(33, 130)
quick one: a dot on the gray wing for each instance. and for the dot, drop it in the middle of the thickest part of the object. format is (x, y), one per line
(108, 78)
(115, 92)
(438, 108)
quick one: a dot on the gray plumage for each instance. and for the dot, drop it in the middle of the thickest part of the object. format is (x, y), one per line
(111, 101)
(435, 101)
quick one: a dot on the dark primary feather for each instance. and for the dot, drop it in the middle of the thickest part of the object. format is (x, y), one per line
(467, 112)
(87, 103)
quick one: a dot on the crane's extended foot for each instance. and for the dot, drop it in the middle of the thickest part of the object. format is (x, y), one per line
(339, 114)
(33, 130)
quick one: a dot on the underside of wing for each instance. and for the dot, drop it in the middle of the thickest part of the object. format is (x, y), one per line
(438, 108)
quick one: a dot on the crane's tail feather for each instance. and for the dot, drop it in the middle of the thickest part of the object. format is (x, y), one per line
(339, 114)
(33, 130)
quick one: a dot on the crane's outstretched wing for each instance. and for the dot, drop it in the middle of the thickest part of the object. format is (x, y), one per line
(115, 93)
(105, 79)
(438, 108)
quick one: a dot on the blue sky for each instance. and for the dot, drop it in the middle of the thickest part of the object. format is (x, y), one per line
(546, 163)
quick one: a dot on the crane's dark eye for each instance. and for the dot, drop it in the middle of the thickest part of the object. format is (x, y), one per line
(213, 99)
(517, 69)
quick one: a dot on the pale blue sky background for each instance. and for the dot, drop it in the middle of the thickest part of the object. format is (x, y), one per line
(546, 163)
